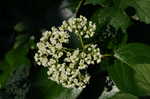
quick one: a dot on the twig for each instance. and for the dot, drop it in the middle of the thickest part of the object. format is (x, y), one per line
(78, 7)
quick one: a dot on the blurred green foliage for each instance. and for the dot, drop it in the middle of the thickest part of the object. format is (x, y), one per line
(15, 58)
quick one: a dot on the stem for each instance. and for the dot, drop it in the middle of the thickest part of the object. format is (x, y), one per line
(82, 44)
(78, 7)
(106, 55)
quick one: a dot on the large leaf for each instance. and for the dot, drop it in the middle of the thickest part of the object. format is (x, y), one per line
(120, 20)
(143, 8)
(43, 88)
(121, 4)
(124, 96)
(137, 57)
(134, 54)
(123, 76)
(15, 58)
(113, 16)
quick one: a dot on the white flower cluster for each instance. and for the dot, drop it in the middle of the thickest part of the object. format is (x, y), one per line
(79, 26)
(68, 67)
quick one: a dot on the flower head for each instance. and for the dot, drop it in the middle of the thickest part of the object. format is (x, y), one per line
(68, 66)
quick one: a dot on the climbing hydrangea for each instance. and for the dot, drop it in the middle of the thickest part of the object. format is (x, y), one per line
(68, 66)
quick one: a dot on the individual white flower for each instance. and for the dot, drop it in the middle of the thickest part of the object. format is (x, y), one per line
(64, 64)
(44, 61)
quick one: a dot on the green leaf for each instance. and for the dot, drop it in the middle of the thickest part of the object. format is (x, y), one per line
(112, 16)
(121, 4)
(101, 18)
(43, 88)
(94, 2)
(124, 96)
(142, 8)
(123, 76)
(134, 54)
(137, 57)
(115, 14)
(120, 20)
(15, 58)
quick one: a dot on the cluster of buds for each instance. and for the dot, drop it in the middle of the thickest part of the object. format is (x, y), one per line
(80, 26)
(68, 67)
